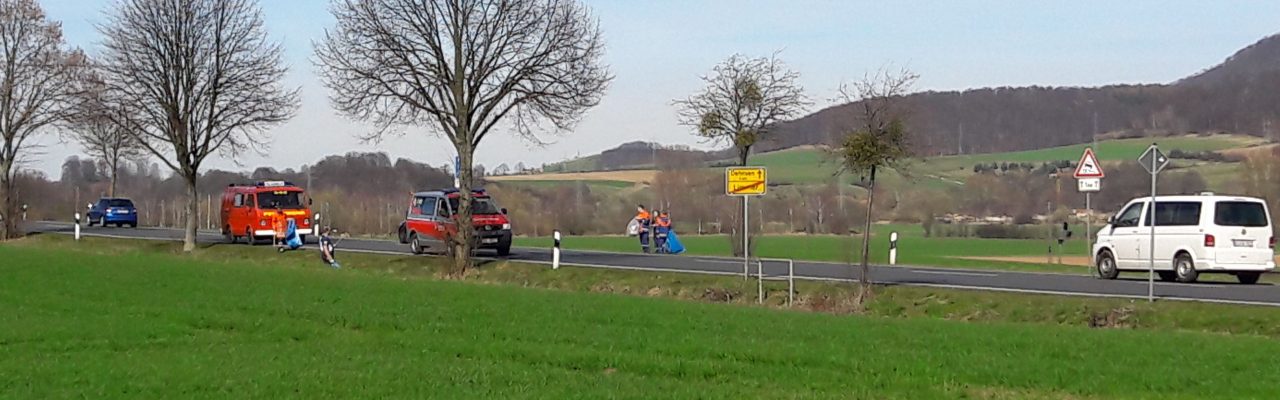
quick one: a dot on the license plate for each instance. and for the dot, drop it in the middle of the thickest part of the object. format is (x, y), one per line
(1241, 243)
(122, 212)
(488, 241)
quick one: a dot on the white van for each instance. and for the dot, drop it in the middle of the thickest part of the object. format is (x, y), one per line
(1193, 235)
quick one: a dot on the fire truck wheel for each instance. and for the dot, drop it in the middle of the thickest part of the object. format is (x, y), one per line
(248, 237)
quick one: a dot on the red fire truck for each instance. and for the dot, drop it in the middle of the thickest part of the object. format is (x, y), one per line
(431, 222)
(249, 211)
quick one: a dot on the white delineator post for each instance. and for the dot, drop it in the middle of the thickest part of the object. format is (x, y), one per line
(555, 250)
(77, 226)
(893, 248)
(759, 281)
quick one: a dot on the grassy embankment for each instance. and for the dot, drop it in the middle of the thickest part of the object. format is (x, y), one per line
(113, 318)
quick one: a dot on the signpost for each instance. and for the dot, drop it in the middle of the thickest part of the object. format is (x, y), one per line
(1154, 161)
(745, 182)
(1088, 180)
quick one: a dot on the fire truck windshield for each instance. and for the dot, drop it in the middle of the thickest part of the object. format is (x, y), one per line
(479, 206)
(280, 198)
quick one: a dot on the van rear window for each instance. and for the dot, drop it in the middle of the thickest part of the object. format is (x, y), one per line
(1240, 213)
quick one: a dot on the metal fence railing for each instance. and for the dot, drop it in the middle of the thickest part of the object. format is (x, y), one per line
(789, 276)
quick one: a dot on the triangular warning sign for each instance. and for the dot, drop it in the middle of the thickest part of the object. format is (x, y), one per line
(1089, 166)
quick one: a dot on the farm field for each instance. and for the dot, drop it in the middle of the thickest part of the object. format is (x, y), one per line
(914, 248)
(137, 321)
(811, 165)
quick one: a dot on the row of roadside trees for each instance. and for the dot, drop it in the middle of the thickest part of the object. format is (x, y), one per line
(182, 81)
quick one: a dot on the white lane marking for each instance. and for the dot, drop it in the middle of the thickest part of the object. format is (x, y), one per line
(715, 261)
(815, 278)
(919, 271)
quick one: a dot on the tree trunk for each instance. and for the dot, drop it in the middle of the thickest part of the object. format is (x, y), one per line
(864, 278)
(9, 227)
(466, 231)
(111, 192)
(193, 215)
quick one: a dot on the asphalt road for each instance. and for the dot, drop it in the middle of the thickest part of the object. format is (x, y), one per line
(1027, 282)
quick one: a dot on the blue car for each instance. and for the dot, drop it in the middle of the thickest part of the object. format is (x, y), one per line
(116, 211)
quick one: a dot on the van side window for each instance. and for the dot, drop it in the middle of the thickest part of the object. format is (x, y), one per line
(442, 208)
(428, 207)
(1180, 213)
(239, 201)
(1129, 218)
(422, 207)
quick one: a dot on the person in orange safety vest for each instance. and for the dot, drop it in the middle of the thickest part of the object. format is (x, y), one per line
(644, 218)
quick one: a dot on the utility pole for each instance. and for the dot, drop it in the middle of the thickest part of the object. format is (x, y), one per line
(1048, 218)
(1095, 129)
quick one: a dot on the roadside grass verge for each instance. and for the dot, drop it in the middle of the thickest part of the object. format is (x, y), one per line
(115, 318)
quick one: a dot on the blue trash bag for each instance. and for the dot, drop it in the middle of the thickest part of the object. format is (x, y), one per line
(291, 237)
(673, 243)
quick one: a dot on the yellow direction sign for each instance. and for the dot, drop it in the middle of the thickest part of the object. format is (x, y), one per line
(745, 181)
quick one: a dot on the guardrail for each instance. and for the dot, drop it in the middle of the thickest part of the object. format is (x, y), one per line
(790, 277)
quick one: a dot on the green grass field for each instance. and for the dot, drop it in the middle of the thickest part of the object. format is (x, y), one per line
(122, 320)
(914, 248)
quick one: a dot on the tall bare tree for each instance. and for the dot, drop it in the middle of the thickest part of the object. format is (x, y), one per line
(37, 88)
(742, 99)
(461, 68)
(877, 138)
(91, 125)
(192, 78)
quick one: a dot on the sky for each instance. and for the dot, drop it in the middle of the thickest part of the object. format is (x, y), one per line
(658, 49)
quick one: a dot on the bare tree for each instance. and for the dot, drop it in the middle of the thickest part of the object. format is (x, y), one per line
(462, 68)
(877, 138)
(91, 125)
(37, 88)
(743, 98)
(192, 78)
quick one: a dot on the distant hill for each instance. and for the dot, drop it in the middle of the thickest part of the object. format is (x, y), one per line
(1241, 95)
(635, 155)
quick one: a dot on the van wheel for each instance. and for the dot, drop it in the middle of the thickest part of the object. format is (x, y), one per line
(230, 237)
(1106, 265)
(504, 251)
(1167, 276)
(415, 244)
(1248, 278)
(1184, 268)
